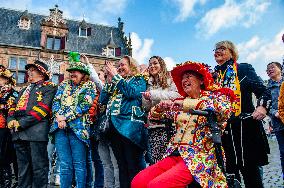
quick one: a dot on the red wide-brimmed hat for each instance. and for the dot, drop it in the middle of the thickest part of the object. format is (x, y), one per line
(199, 68)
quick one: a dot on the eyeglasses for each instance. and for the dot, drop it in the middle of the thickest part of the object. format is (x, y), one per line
(221, 48)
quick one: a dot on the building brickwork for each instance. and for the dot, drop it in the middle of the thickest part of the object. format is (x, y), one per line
(26, 37)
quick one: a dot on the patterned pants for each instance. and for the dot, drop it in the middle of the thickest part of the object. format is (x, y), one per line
(158, 141)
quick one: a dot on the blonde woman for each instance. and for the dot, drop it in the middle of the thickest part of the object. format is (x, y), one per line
(122, 95)
(159, 87)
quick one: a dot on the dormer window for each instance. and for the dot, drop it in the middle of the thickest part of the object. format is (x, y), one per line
(84, 29)
(111, 50)
(24, 23)
(84, 32)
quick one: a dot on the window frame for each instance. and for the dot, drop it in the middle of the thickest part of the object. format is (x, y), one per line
(21, 23)
(58, 76)
(53, 42)
(17, 69)
(80, 32)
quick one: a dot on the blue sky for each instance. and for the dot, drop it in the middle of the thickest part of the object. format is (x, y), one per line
(181, 30)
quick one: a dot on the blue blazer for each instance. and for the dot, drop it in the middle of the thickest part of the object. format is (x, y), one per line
(124, 107)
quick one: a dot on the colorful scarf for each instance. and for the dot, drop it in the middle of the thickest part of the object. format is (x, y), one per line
(24, 99)
(228, 78)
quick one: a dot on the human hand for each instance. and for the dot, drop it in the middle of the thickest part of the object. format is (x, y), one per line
(165, 105)
(177, 105)
(11, 124)
(16, 125)
(277, 114)
(62, 124)
(146, 95)
(111, 69)
(84, 57)
(259, 113)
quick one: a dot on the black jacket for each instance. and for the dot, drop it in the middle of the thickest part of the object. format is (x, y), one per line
(35, 120)
(248, 145)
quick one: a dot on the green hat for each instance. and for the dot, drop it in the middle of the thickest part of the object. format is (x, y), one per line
(76, 65)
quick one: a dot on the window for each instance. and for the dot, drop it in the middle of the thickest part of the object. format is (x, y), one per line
(84, 32)
(17, 66)
(55, 78)
(55, 43)
(118, 52)
(111, 52)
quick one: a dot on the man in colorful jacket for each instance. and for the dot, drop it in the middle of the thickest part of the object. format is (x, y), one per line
(30, 121)
(71, 127)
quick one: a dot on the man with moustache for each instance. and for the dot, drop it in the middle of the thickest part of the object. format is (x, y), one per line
(30, 121)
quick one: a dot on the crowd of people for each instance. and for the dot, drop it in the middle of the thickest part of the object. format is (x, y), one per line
(140, 127)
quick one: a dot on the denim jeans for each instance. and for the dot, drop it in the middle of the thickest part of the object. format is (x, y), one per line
(111, 172)
(99, 169)
(280, 139)
(51, 151)
(94, 158)
(72, 154)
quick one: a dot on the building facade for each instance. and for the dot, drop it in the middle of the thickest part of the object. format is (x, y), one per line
(25, 37)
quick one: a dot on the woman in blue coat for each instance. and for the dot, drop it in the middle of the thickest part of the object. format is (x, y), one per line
(122, 95)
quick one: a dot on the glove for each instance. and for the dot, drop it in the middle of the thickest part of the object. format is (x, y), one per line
(16, 125)
(11, 124)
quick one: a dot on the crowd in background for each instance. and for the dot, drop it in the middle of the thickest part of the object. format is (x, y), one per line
(133, 126)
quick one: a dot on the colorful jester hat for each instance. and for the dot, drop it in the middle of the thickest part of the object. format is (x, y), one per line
(76, 65)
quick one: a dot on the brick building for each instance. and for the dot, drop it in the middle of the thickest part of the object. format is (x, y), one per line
(25, 37)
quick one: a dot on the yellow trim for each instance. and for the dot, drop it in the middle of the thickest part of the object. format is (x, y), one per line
(37, 109)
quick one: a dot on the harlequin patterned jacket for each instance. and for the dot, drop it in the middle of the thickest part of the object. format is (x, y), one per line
(197, 148)
(74, 102)
(124, 107)
(33, 111)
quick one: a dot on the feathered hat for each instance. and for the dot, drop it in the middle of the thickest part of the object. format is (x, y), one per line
(42, 67)
(9, 75)
(199, 68)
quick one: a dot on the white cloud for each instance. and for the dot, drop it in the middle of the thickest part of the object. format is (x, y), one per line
(260, 52)
(106, 9)
(111, 6)
(186, 8)
(16, 4)
(95, 11)
(141, 50)
(170, 62)
(230, 14)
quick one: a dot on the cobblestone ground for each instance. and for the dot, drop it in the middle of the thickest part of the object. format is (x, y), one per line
(272, 172)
